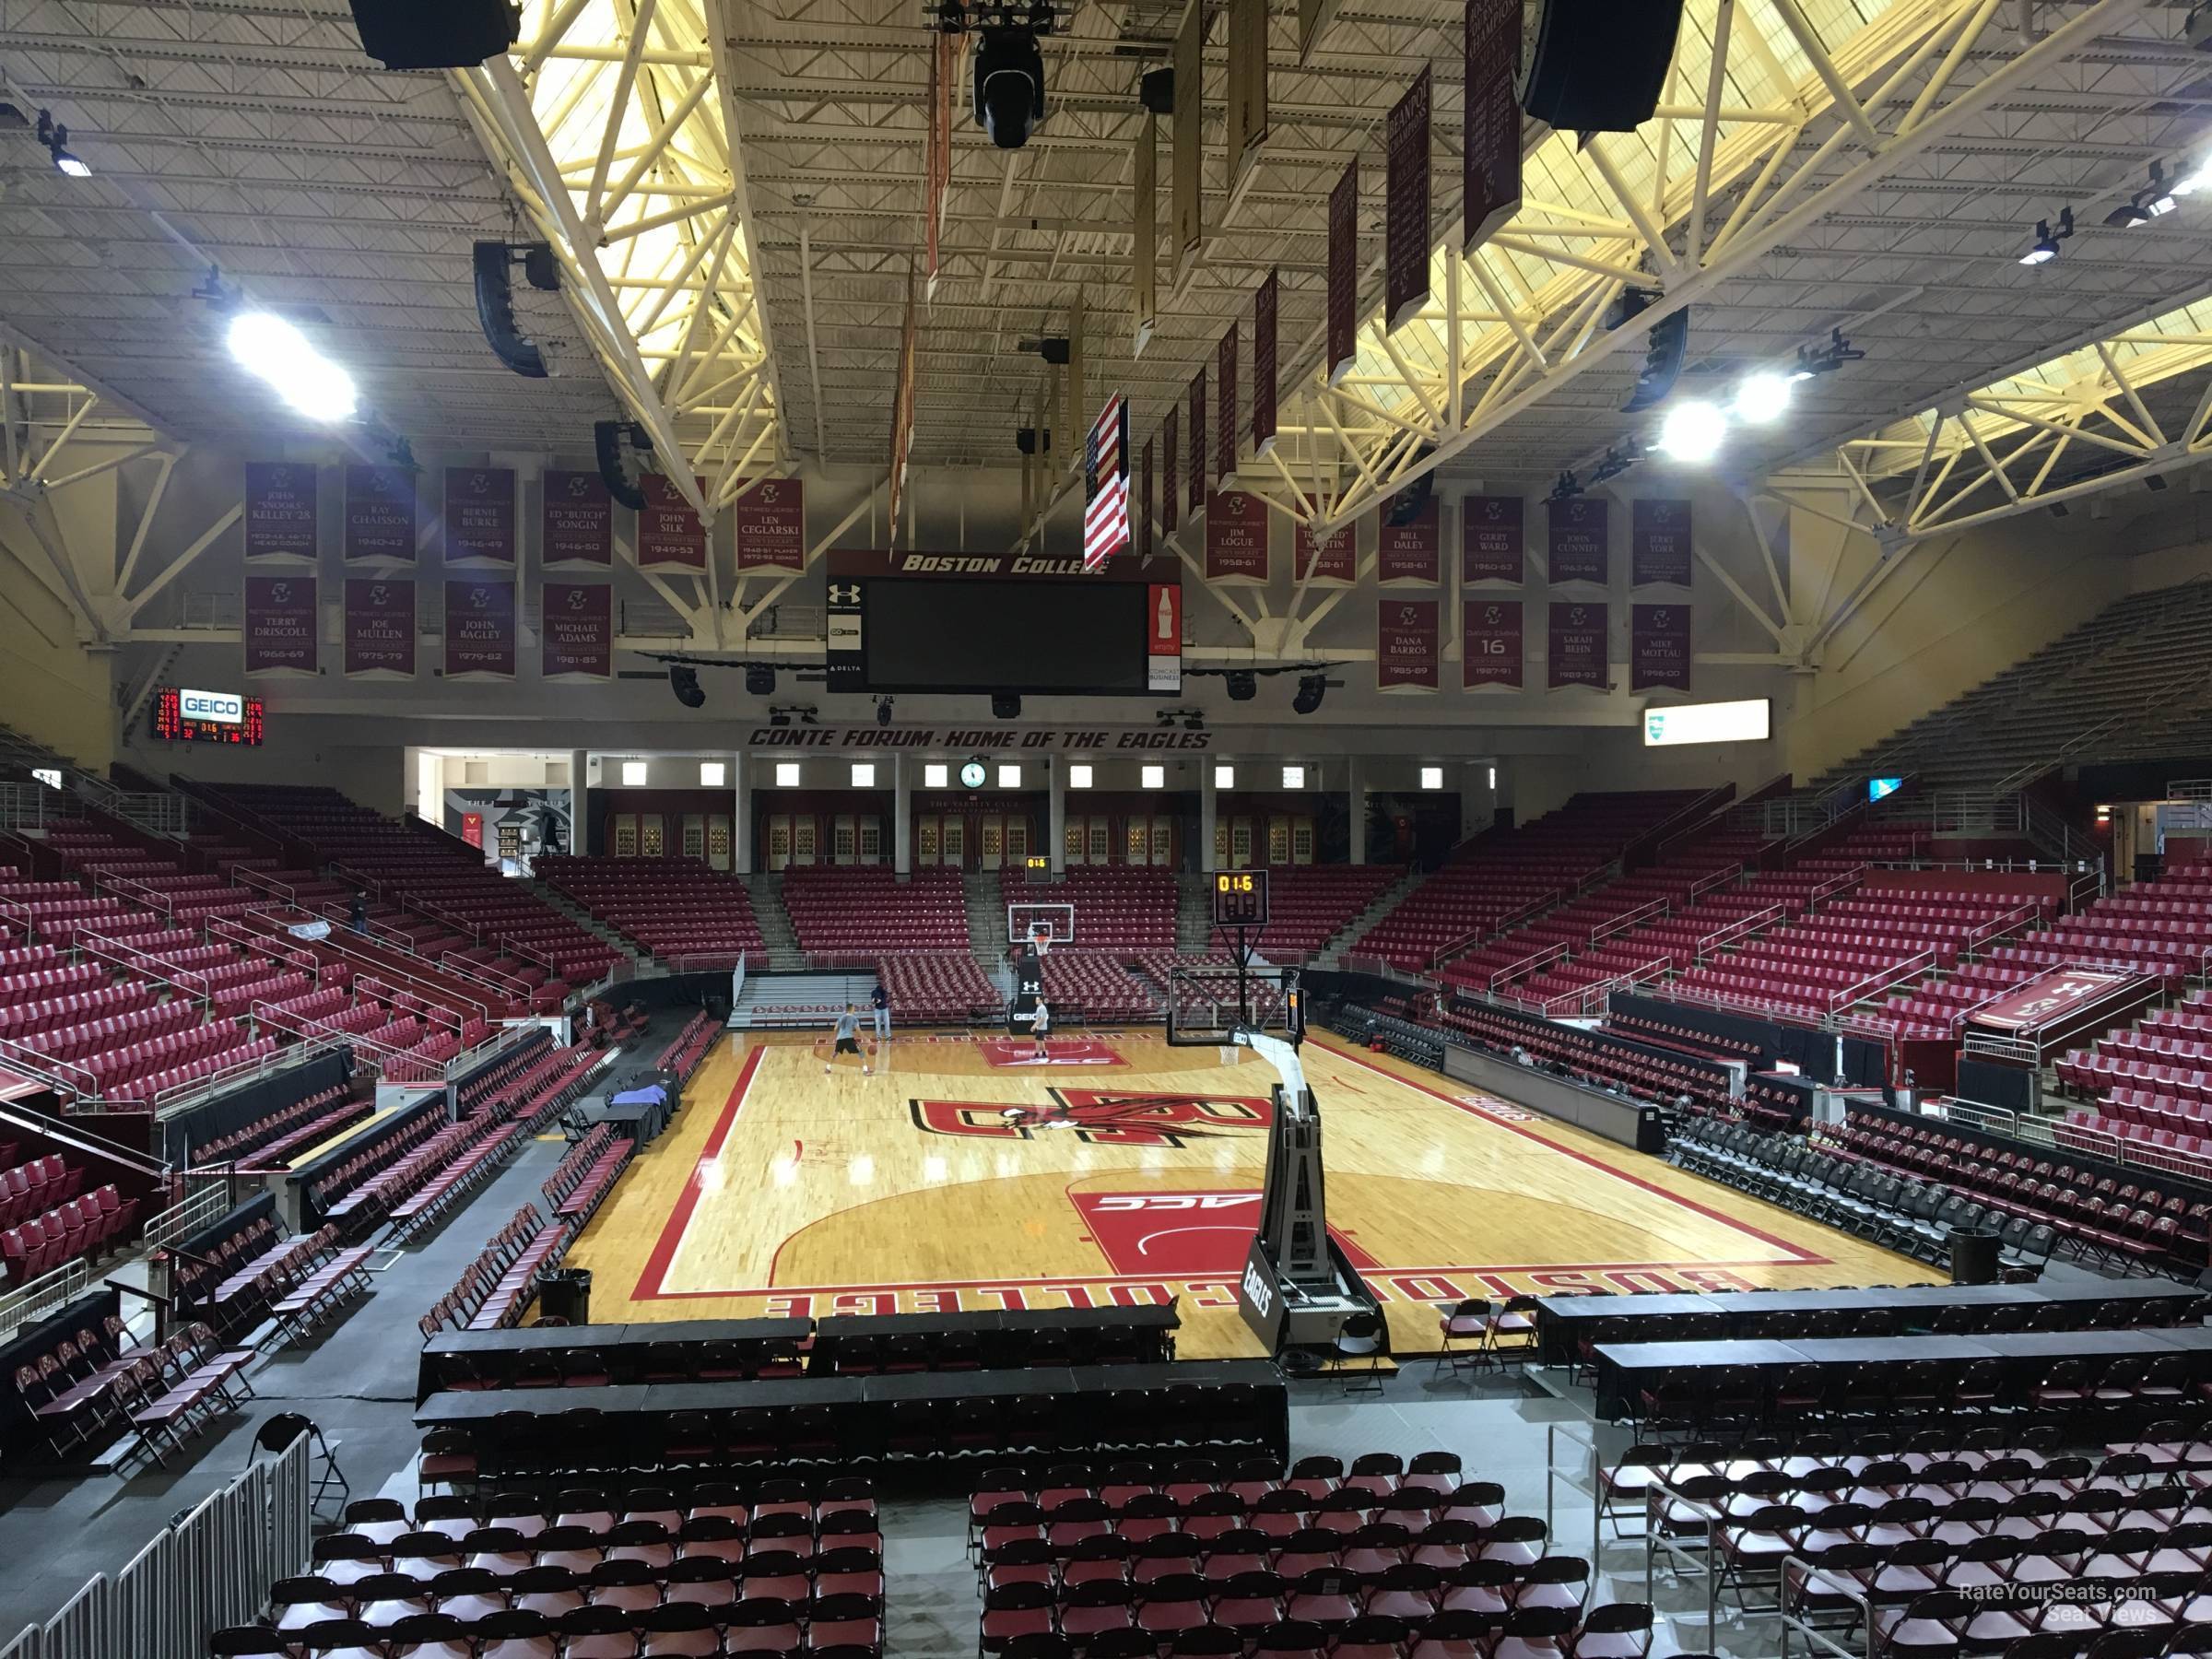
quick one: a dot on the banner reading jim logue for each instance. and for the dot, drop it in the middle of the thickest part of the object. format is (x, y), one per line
(576, 631)
(479, 631)
(280, 510)
(1577, 644)
(279, 631)
(380, 627)
(1490, 643)
(1236, 537)
(1406, 644)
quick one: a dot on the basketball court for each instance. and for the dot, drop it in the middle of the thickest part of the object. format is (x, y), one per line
(1128, 1171)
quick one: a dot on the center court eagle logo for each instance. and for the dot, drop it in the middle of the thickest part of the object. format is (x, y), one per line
(1099, 1117)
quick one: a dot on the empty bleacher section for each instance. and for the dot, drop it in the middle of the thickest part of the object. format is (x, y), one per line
(1504, 876)
(678, 910)
(848, 917)
(1116, 909)
(929, 988)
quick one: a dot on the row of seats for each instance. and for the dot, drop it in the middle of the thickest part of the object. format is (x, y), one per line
(33, 1188)
(79, 1227)
(155, 1397)
(673, 908)
(586, 1174)
(307, 1121)
(496, 1289)
(689, 1046)
(1592, 1056)
(867, 911)
(938, 988)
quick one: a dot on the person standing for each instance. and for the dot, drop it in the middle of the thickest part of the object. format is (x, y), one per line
(880, 1000)
(848, 1040)
(359, 918)
(1040, 1026)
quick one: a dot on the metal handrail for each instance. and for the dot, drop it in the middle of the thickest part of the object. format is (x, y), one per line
(1511, 920)
(1526, 965)
(1743, 927)
(1596, 993)
(1881, 980)
(1649, 912)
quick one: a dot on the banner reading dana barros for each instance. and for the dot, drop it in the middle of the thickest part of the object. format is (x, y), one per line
(280, 631)
(379, 627)
(1406, 644)
(576, 631)
(479, 631)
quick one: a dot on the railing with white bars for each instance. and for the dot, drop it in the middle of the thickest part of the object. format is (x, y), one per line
(1736, 931)
(28, 806)
(37, 1298)
(204, 1572)
(1881, 980)
(1589, 1000)
(2060, 1135)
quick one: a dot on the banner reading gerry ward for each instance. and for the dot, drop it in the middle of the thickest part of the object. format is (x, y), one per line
(479, 631)
(1491, 545)
(279, 631)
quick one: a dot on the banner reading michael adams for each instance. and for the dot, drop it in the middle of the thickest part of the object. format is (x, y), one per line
(380, 627)
(1409, 552)
(1405, 189)
(1578, 539)
(1406, 644)
(479, 631)
(379, 514)
(1236, 537)
(770, 524)
(1492, 644)
(280, 629)
(576, 520)
(480, 515)
(280, 510)
(1659, 542)
(670, 537)
(1577, 644)
(1659, 653)
(1491, 539)
(576, 631)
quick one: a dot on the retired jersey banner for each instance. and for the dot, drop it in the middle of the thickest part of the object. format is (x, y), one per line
(1659, 543)
(1577, 645)
(1659, 647)
(576, 520)
(480, 515)
(1490, 539)
(1263, 307)
(1490, 643)
(1225, 406)
(280, 510)
(770, 521)
(576, 631)
(1236, 537)
(1343, 276)
(1491, 120)
(479, 631)
(1409, 552)
(1338, 557)
(379, 514)
(670, 537)
(280, 629)
(1170, 498)
(380, 627)
(1141, 522)
(1406, 644)
(1186, 133)
(1405, 204)
(1197, 441)
(1577, 542)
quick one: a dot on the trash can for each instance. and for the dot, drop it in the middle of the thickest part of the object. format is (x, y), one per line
(1974, 1255)
(1650, 1131)
(565, 1294)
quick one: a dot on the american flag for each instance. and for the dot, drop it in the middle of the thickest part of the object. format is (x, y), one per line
(1106, 486)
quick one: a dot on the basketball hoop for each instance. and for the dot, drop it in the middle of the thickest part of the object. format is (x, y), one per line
(1041, 937)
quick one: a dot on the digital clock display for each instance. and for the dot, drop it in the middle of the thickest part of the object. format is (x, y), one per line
(1239, 898)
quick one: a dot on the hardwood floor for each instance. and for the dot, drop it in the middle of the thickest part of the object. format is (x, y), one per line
(781, 1190)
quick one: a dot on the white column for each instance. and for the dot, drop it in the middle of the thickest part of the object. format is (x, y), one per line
(741, 814)
(579, 833)
(1206, 804)
(1055, 813)
(903, 815)
(1355, 785)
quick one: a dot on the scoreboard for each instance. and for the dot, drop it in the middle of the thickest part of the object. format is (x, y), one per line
(1239, 898)
(182, 715)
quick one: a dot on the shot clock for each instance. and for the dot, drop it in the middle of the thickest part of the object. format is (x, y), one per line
(1239, 898)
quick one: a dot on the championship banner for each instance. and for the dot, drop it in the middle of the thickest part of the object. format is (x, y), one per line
(771, 522)
(1406, 644)
(1225, 407)
(1143, 267)
(1335, 561)
(576, 631)
(1405, 204)
(1163, 640)
(279, 630)
(479, 631)
(670, 537)
(1490, 184)
(1264, 308)
(1171, 499)
(1490, 643)
(1246, 115)
(1577, 644)
(1409, 552)
(1343, 276)
(1491, 544)
(1185, 136)
(280, 510)
(480, 515)
(1659, 543)
(575, 521)
(1236, 537)
(1197, 441)
(1578, 543)
(1141, 526)
(379, 514)
(1659, 647)
(379, 627)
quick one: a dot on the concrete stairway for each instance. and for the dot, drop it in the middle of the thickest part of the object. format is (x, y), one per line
(776, 932)
(799, 1000)
(1194, 914)
(986, 919)
(1331, 954)
(585, 920)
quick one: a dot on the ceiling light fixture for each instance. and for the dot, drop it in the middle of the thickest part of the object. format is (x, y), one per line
(2154, 200)
(1764, 396)
(1693, 431)
(2047, 239)
(272, 350)
(56, 140)
(2189, 183)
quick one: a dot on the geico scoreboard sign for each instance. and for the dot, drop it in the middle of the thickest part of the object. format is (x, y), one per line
(221, 708)
(1745, 721)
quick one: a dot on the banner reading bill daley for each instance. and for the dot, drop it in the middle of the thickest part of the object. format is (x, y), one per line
(1406, 644)
(279, 631)
(380, 627)
(1409, 552)
(479, 631)
(576, 631)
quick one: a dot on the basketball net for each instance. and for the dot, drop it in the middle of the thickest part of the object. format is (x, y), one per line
(1041, 937)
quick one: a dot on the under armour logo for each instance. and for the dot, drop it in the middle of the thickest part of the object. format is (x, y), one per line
(844, 593)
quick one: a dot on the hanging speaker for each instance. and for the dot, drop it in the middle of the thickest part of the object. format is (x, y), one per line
(1405, 505)
(1664, 348)
(495, 304)
(1597, 65)
(436, 34)
(618, 444)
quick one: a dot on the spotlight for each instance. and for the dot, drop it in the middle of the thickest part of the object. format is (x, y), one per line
(2189, 183)
(1194, 720)
(683, 680)
(1006, 705)
(56, 140)
(759, 680)
(779, 717)
(1763, 397)
(2047, 239)
(2154, 200)
(1242, 686)
(1693, 431)
(883, 710)
(271, 350)
(1010, 84)
(1565, 488)
(1311, 688)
